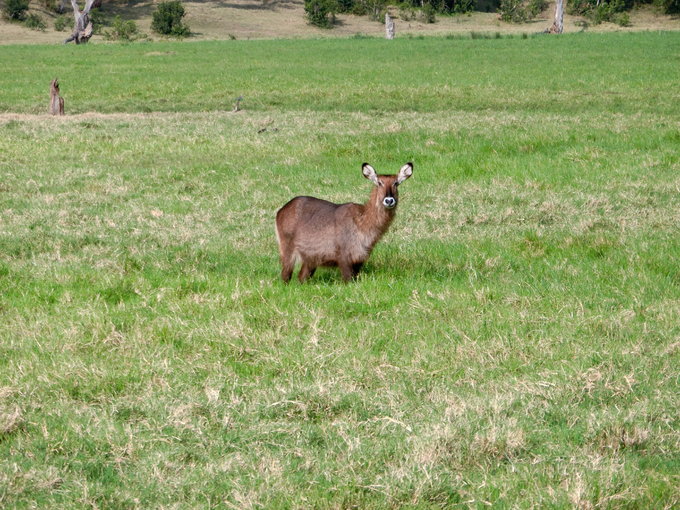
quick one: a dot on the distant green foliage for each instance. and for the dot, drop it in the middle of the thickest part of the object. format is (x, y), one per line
(407, 13)
(669, 6)
(15, 9)
(98, 20)
(35, 22)
(167, 19)
(612, 11)
(520, 11)
(63, 22)
(536, 7)
(429, 13)
(409, 10)
(122, 30)
(513, 11)
(362, 7)
(53, 5)
(321, 13)
(444, 6)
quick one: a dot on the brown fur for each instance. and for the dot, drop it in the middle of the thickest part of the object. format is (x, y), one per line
(320, 233)
(56, 101)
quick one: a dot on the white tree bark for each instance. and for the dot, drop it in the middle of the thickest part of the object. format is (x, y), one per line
(82, 30)
(389, 27)
(558, 25)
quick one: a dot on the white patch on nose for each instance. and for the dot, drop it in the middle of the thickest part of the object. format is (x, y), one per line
(389, 202)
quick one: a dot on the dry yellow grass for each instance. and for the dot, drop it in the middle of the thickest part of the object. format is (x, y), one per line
(254, 19)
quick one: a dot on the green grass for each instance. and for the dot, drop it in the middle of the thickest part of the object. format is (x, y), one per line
(366, 75)
(513, 341)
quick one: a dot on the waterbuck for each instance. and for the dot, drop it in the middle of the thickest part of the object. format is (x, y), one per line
(320, 233)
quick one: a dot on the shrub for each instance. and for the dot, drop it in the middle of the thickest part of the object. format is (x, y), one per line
(377, 10)
(622, 19)
(429, 13)
(321, 13)
(53, 5)
(669, 6)
(444, 6)
(512, 11)
(463, 6)
(98, 20)
(16, 9)
(345, 5)
(407, 13)
(35, 22)
(373, 8)
(122, 30)
(612, 11)
(63, 22)
(167, 19)
(536, 7)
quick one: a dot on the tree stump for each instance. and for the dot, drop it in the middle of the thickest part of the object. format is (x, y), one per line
(389, 27)
(82, 30)
(56, 101)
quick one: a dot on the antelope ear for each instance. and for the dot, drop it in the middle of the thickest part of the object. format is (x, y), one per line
(405, 172)
(369, 173)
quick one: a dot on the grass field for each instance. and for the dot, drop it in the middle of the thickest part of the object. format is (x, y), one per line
(513, 341)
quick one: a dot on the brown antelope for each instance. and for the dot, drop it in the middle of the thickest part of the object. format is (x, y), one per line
(320, 233)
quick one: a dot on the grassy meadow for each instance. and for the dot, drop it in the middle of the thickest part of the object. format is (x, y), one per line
(513, 342)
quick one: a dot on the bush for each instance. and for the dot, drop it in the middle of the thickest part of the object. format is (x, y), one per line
(429, 13)
(16, 9)
(622, 19)
(321, 13)
(407, 13)
(443, 6)
(669, 6)
(536, 7)
(167, 19)
(35, 22)
(53, 5)
(63, 22)
(98, 20)
(372, 8)
(463, 6)
(377, 10)
(122, 30)
(612, 11)
(512, 11)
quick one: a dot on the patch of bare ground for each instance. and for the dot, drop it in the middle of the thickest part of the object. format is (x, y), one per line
(255, 19)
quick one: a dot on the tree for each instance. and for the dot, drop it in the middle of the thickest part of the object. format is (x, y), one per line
(558, 25)
(16, 9)
(82, 30)
(167, 19)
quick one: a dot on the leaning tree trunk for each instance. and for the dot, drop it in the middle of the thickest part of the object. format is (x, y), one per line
(82, 30)
(558, 25)
(56, 101)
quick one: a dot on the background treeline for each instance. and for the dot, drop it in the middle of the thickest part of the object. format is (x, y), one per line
(322, 12)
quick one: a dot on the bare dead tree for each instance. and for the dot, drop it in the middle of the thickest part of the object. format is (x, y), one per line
(56, 101)
(82, 30)
(558, 25)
